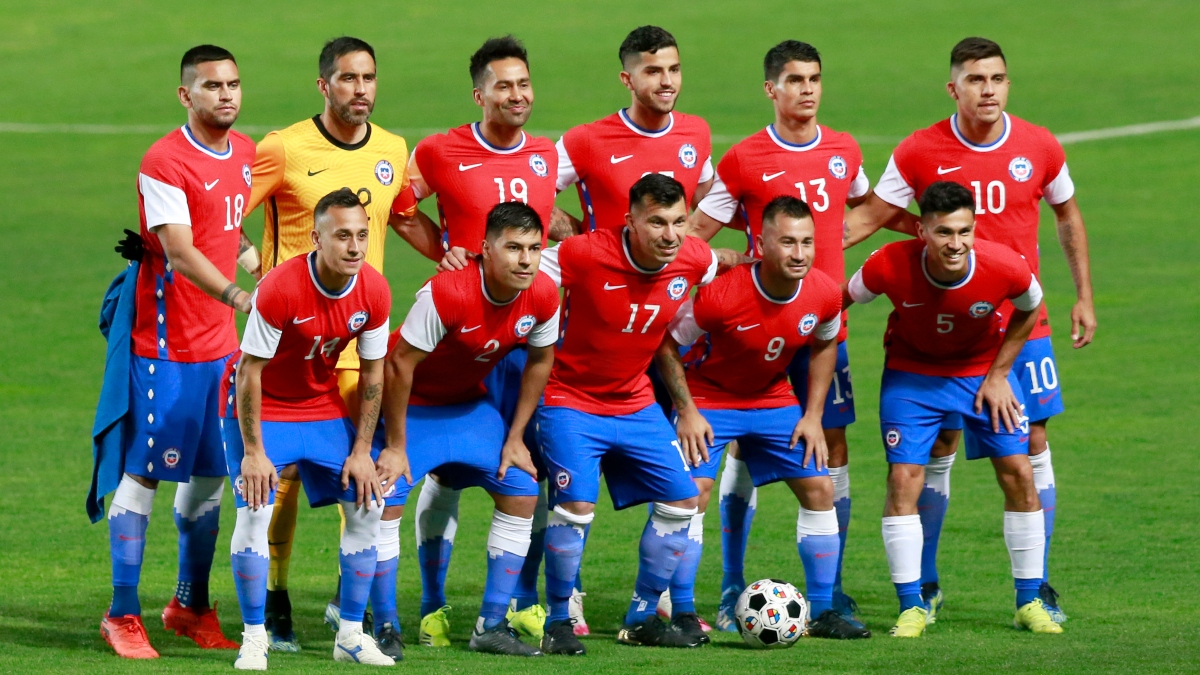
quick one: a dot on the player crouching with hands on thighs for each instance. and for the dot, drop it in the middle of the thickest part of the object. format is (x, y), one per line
(744, 330)
(438, 418)
(950, 352)
(290, 412)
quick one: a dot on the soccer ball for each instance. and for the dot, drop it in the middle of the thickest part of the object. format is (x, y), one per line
(771, 614)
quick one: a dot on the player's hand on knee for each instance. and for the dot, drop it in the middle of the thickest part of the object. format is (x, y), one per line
(1001, 401)
(695, 435)
(393, 464)
(258, 480)
(1083, 324)
(455, 259)
(809, 430)
(515, 453)
(360, 470)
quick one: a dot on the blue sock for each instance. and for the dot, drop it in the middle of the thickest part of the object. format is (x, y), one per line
(1043, 480)
(358, 573)
(663, 545)
(127, 544)
(433, 555)
(737, 506)
(842, 508)
(909, 593)
(931, 507)
(197, 543)
(818, 547)
(526, 592)
(683, 582)
(250, 581)
(503, 571)
(578, 584)
(564, 551)
(1027, 590)
(383, 593)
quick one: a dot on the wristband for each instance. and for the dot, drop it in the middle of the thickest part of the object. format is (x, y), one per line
(249, 260)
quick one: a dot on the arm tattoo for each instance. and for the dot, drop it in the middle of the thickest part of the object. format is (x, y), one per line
(244, 244)
(229, 294)
(247, 418)
(369, 413)
(675, 379)
(562, 225)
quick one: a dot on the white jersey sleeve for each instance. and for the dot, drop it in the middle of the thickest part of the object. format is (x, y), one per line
(164, 204)
(1031, 298)
(707, 171)
(566, 169)
(860, 186)
(544, 334)
(711, 272)
(1060, 189)
(829, 329)
(260, 338)
(892, 188)
(683, 327)
(373, 344)
(858, 290)
(423, 328)
(718, 204)
(550, 266)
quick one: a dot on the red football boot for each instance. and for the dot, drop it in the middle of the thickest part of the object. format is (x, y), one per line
(201, 626)
(127, 636)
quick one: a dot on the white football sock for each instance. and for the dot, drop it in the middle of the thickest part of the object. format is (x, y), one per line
(389, 540)
(902, 539)
(437, 512)
(1043, 470)
(509, 534)
(1025, 537)
(736, 480)
(937, 474)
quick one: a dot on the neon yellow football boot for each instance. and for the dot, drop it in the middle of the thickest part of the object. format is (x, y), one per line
(530, 622)
(435, 628)
(911, 623)
(1033, 617)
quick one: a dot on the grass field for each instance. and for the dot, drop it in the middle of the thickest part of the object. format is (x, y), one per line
(1128, 530)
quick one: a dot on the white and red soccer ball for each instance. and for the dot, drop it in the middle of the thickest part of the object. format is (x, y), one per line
(771, 614)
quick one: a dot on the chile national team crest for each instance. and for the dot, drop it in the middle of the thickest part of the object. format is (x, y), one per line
(892, 437)
(239, 486)
(171, 458)
(838, 167)
(808, 323)
(677, 288)
(357, 321)
(384, 172)
(246, 174)
(981, 309)
(538, 165)
(687, 155)
(1021, 169)
(524, 325)
(562, 479)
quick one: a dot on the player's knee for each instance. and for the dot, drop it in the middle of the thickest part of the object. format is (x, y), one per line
(705, 486)
(683, 509)
(1037, 438)
(576, 509)
(946, 443)
(521, 506)
(148, 483)
(815, 494)
(393, 512)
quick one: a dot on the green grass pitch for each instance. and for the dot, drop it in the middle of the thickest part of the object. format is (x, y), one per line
(1128, 530)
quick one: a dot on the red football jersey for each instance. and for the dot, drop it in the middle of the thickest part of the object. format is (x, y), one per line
(824, 173)
(181, 182)
(467, 333)
(470, 176)
(609, 155)
(1009, 177)
(614, 318)
(950, 330)
(303, 327)
(743, 339)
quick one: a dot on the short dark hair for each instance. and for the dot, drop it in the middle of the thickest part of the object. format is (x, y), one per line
(974, 49)
(336, 49)
(785, 52)
(661, 190)
(645, 39)
(785, 205)
(946, 197)
(512, 216)
(495, 49)
(343, 198)
(202, 54)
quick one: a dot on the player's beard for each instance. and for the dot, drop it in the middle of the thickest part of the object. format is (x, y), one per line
(346, 114)
(652, 102)
(211, 120)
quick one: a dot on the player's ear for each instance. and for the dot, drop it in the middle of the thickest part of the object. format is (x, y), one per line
(185, 97)
(769, 89)
(951, 91)
(316, 238)
(478, 96)
(627, 80)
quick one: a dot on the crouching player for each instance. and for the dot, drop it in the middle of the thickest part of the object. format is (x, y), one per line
(744, 330)
(439, 419)
(290, 412)
(950, 352)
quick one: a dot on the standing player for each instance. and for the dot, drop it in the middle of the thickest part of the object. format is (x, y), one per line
(950, 352)
(744, 330)
(290, 413)
(1010, 165)
(191, 185)
(794, 156)
(470, 170)
(462, 325)
(295, 168)
(599, 412)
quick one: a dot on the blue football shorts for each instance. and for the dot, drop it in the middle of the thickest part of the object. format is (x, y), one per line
(763, 435)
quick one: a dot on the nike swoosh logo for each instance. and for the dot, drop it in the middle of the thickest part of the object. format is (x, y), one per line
(125, 538)
(312, 173)
(915, 304)
(753, 325)
(468, 330)
(824, 555)
(610, 287)
(508, 571)
(770, 176)
(303, 320)
(1046, 399)
(468, 167)
(209, 186)
(617, 160)
(943, 172)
